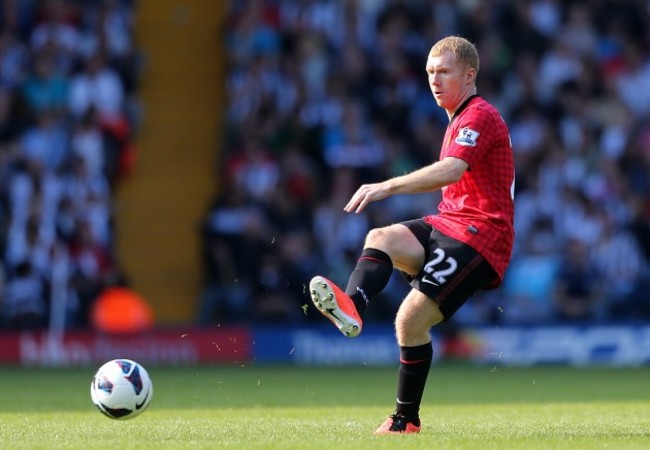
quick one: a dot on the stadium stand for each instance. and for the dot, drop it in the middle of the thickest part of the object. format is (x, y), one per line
(324, 95)
(68, 102)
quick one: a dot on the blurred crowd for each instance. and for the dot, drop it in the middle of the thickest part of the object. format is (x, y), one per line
(68, 110)
(327, 94)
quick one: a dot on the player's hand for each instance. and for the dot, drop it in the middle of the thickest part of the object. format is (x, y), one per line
(365, 194)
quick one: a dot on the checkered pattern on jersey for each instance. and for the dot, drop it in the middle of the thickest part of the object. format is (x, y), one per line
(478, 210)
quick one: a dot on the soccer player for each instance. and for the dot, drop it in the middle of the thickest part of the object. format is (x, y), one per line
(446, 257)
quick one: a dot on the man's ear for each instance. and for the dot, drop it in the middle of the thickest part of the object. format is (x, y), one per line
(471, 76)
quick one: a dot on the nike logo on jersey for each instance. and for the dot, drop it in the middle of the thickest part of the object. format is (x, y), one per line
(467, 137)
(424, 280)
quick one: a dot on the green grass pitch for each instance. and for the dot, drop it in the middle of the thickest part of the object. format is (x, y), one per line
(268, 407)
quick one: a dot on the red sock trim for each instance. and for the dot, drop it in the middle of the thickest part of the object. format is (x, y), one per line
(373, 259)
(403, 361)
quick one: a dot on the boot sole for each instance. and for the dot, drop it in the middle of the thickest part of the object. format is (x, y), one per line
(322, 295)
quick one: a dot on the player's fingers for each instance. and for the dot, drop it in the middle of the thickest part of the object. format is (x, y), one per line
(361, 199)
(352, 204)
(363, 203)
(354, 201)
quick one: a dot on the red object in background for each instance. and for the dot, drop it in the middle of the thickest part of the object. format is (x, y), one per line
(179, 346)
(120, 310)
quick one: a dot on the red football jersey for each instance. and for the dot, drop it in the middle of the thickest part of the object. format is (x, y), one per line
(478, 210)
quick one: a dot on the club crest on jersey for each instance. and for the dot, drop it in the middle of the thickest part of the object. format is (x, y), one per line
(467, 136)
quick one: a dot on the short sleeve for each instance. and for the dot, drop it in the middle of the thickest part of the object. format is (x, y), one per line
(473, 136)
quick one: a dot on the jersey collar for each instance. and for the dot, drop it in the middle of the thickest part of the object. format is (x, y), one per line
(462, 107)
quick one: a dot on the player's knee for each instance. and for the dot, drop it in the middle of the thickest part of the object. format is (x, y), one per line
(377, 238)
(412, 326)
(410, 336)
(411, 332)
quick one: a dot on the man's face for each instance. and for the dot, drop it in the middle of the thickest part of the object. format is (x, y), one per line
(449, 81)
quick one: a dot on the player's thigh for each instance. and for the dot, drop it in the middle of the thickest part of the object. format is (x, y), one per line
(415, 317)
(399, 242)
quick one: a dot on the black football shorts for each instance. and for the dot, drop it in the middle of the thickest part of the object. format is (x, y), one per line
(453, 271)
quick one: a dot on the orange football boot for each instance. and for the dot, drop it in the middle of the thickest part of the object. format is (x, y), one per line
(336, 305)
(398, 424)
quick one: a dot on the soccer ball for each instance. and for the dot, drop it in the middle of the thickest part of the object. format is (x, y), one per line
(121, 389)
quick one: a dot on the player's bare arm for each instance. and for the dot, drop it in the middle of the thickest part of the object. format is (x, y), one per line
(427, 179)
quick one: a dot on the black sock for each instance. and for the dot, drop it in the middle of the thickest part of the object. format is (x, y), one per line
(369, 278)
(415, 363)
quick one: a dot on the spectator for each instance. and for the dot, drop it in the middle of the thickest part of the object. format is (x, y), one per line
(233, 243)
(620, 259)
(93, 269)
(57, 29)
(46, 143)
(45, 88)
(578, 286)
(24, 300)
(97, 87)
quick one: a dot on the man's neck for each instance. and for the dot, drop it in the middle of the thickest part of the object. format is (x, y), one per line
(461, 103)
